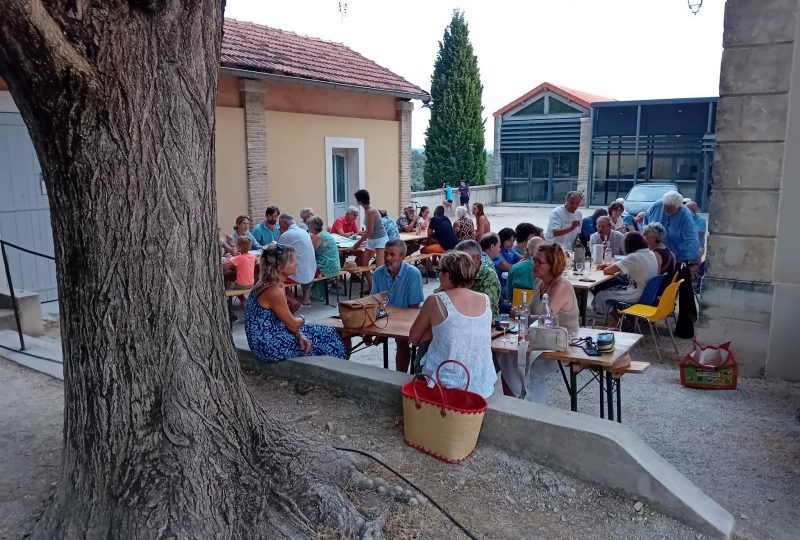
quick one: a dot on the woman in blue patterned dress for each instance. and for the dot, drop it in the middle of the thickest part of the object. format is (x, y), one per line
(273, 333)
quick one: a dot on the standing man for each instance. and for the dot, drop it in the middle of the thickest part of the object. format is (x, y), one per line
(268, 231)
(565, 221)
(403, 282)
(463, 194)
(448, 197)
(681, 234)
(300, 240)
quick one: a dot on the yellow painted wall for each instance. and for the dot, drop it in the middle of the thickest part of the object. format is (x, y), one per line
(296, 160)
(231, 154)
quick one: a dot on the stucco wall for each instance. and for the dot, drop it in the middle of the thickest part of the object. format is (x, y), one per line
(231, 148)
(296, 159)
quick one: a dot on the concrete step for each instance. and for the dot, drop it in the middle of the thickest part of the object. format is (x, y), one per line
(30, 311)
(40, 354)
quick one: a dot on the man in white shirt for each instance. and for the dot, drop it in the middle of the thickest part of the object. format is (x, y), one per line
(565, 221)
(300, 240)
(605, 233)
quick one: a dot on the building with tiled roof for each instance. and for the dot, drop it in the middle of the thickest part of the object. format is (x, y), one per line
(553, 140)
(305, 122)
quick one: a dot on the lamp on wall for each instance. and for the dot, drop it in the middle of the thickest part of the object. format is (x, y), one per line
(695, 5)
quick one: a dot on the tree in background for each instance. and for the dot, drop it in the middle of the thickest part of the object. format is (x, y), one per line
(454, 140)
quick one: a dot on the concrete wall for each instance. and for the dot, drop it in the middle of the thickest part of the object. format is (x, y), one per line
(483, 194)
(296, 159)
(752, 290)
(230, 147)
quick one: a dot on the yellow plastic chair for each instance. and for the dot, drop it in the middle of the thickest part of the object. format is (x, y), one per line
(516, 299)
(654, 314)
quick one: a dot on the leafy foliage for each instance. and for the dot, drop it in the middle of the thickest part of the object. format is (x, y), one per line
(454, 140)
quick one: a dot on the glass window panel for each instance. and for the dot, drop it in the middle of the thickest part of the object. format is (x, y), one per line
(661, 168)
(565, 165)
(559, 107)
(515, 165)
(537, 107)
(339, 179)
(540, 167)
(687, 167)
(600, 167)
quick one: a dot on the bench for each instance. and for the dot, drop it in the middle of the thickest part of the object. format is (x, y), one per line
(358, 270)
(326, 280)
(416, 259)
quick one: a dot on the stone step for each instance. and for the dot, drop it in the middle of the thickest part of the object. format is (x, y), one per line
(40, 354)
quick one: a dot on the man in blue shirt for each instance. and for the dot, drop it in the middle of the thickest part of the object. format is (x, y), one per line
(700, 224)
(681, 235)
(268, 231)
(404, 284)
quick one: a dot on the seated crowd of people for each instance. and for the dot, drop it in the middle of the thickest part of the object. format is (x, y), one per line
(479, 272)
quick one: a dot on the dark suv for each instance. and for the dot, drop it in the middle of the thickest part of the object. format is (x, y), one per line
(641, 196)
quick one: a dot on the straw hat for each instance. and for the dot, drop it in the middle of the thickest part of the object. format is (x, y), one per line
(349, 266)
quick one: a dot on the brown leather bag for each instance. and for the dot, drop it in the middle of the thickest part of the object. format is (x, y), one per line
(362, 313)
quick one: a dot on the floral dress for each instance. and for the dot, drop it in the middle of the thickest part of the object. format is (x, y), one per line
(271, 341)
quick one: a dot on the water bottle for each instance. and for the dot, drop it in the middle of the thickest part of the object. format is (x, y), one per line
(607, 257)
(523, 314)
(546, 317)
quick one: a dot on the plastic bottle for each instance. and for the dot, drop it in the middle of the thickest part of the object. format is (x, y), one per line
(523, 315)
(608, 258)
(546, 317)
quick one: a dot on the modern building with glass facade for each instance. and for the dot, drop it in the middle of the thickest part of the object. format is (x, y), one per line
(666, 140)
(554, 139)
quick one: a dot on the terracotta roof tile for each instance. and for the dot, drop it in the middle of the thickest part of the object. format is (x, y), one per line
(254, 47)
(580, 97)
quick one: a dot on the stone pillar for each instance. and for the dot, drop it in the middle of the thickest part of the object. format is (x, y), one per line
(404, 109)
(752, 288)
(497, 161)
(584, 154)
(255, 125)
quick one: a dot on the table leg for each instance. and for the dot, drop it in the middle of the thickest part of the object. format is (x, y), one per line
(386, 353)
(582, 301)
(573, 389)
(413, 359)
(602, 400)
(609, 395)
(619, 400)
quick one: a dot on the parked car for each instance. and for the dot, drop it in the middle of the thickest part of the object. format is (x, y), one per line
(641, 196)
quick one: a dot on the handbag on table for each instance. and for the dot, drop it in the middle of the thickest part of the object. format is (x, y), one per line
(362, 313)
(548, 338)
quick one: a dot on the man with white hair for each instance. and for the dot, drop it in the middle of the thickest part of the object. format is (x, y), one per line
(565, 221)
(346, 225)
(300, 240)
(681, 236)
(605, 233)
(305, 215)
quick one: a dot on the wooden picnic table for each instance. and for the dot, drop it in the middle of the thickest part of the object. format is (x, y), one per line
(582, 288)
(413, 237)
(397, 325)
(608, 365)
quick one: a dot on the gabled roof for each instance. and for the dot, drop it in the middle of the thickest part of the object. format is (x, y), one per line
(584, 99)
(253, 47)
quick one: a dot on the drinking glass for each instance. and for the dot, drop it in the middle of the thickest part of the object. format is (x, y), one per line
(504, 323)
(579, 267)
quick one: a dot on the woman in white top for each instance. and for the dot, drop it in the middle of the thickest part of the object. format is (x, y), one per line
(458, 322)
(639, 266)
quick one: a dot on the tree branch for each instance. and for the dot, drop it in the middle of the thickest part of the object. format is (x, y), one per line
(34, 49)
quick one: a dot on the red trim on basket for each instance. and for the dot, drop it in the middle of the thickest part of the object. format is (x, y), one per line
(446, 407)
(435, 455)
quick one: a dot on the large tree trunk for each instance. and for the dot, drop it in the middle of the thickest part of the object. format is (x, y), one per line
(161, 437)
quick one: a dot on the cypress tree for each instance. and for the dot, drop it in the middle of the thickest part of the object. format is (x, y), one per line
(454, 140)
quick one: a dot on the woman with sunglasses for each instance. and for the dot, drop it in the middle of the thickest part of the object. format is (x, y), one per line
(549, 262)
(273, 333)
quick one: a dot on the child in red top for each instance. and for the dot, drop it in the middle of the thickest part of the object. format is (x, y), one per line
(245, 265)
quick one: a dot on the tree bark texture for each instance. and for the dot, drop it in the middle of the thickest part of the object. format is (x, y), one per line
(161, 437)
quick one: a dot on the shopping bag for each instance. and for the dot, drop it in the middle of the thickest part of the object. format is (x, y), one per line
(362, 313)
(442, 422)
(709, 368)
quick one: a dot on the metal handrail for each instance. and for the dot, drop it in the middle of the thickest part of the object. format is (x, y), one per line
(3, 245)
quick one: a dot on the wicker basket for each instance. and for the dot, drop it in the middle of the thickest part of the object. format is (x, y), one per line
(442, 422)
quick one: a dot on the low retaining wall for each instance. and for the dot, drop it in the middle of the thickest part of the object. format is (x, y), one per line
(589, 448)
(485, 195)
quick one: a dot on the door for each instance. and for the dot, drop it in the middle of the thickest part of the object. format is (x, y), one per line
(540, 179)
(341, 188)
(25, 210)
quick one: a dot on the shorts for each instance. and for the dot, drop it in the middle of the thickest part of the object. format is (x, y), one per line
(377, 243)
(464, 200)
(449, 201)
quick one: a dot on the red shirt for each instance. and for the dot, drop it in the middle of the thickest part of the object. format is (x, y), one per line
(245, 265)
(343, 227)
